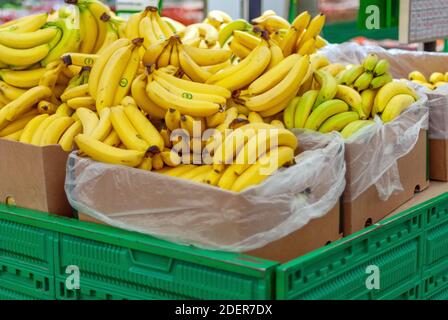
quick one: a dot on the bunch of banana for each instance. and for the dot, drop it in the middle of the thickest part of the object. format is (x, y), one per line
(113, 72)
(99, 25)
(201, 35)
(148, 25)
(218, 19)
(436, 79)
(271, 22)
(198, 64)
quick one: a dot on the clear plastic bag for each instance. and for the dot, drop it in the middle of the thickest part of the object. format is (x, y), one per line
(196, 214)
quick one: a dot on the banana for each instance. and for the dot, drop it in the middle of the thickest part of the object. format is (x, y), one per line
(167, 100)
(436, 77)
(237, 77)
(369, 63)
(363, 81)
(276, 55)
(26, 24)
(69, 41)
(289, 113)
(82, 102)
(354, 127)
(217, 67)
(260, 144)
(23, 57)
(55, 130)
(254, 117)
(188, 123)
(15, 136)
(99, 66)
(380, 81)
(271, 78)
(396, 106)
(80, 59)
(75, 92)
(191, 68)
(101, 14)
(290, 40)
(89, 120)
(263, 168)
(381, 68)
(10, 92)
(64, 110)
(154, 51)
(51, 75)
(228, 178)
(350, 75)
(387, 92)
(104, 127)
(180, 170)
(338, 121)
(167, 31)
(172, 119)
(17, 125)
(40, 128)
(104, 153)
(325, 111)
(170, 158)
(31, 128)
(67, 139)
(174, 58)
(334, 69)
(89, 30)
(145, 129)
(111, 76)
(313, 29)
(112, 139)
(328, 85)
(308, 47)
(132, 29)
(165, 56)
(25, 102)
(368, 97)
(277, 109)
(124, 85)
(146, 163)
(27, 40)
(138, 90)
(353, 99)
(195, 172)
(304, 107)
(246, 39)
(207, 57)
(285, 89)
(239, 49)
(302, 21)
(320, 42)
(126, 131)
(158, 33)
(147, 32)
(46, 107)
(111, 36)
(216, 119)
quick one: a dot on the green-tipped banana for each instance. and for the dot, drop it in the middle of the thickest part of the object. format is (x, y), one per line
(370, 62)
(338, 121)
(381, 67)
(227, 31)
(289, 113)
(325, 111)
(354, 127)
(380, 81)
(352, 98)
(363, 81)
(304, 108)
(328, 86)
(350, 75)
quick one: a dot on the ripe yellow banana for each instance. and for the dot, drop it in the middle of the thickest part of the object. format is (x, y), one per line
(80, 59)
(10, 92)
(37, 135)
(125, 82)
(25, 24)
(172, 119)
(18, 124)
(368, 97)
(302, 21)
(285, 89)
(126, 131)
(22, 79)
(170, 158)
(104, 153)
(104, 127)
(31, 128)
(82, 102)
(396, 106)
(325, 111)
(46, 107)
(263, 168)
(191, 68)
(25, 102)
(154, 51)
(111, 36)
(276, 55)
(55, 130)
(75, 92)
(138, 90)
(387, 92)
(89, 120)
(27, 40)
(417, 75)
(145, 128)
(132, 29)
(313, 29)
(89, 30)
(207, 57)
(352, 98)
(23, 57)
(67, 139)
(328, 85)
(112, 139)
(354, 127)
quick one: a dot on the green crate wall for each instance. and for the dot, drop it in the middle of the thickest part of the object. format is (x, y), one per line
(404, 247)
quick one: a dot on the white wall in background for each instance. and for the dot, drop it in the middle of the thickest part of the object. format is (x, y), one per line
(232, 7)
(279, 6)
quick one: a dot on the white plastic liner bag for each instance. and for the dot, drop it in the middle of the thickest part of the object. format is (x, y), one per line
(196, 214)
(403, 62)
(373, 152)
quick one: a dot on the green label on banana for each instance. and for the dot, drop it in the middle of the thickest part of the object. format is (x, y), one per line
(187, 95)
(124, 82)
(88, 61)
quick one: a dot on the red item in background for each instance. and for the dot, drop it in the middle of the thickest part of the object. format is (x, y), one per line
(186, 14)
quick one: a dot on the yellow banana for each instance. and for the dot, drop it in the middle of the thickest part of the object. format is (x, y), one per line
(82, 102)
(55, 130)
(254, 117)
(363, 81)
(352, 98)
(15, 136)
(308, 47)
(10, 92)
(328, 86)
(104, 153)
(154, 51)
(289, 113)
(80, 59)
(126, 131)
(368, 97)
(338, 121)
(89, 120)
(17, 125)
(104, 127)
(302, 21)
(325, 111)
(207, 57)
(276, 55)
(314, 28)
(132, 30)
(89, 28)
(138, 90)
(354, 127)
(25, 102)
(417, 75)
(46, 107)
(170, 158)
(191, 68)
(111, 36)
(290, 40)
(396, 106)
(228, 178)
(75, 92)
(436, 77)
(124, 85)
(67, 139)
(22, 79)
(146, 164)
(112, 139)
(350, 75)
(172, 119)
(40, 129)
(27, 40)
(147, 32)
(31, 128)
(25, 24)
(387, 92)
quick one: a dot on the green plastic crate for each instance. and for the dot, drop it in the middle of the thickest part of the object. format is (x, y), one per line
(117, 264)
(399, 246)
(440, 295)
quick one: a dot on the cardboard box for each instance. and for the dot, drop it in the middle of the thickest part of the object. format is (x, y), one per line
(317, 233)
(368, 208)
(438, 159)
(34, 177)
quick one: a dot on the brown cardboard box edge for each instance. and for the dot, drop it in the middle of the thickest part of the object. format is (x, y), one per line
(317, 233)
(34, 177)
(368, 208)
(438, 160)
